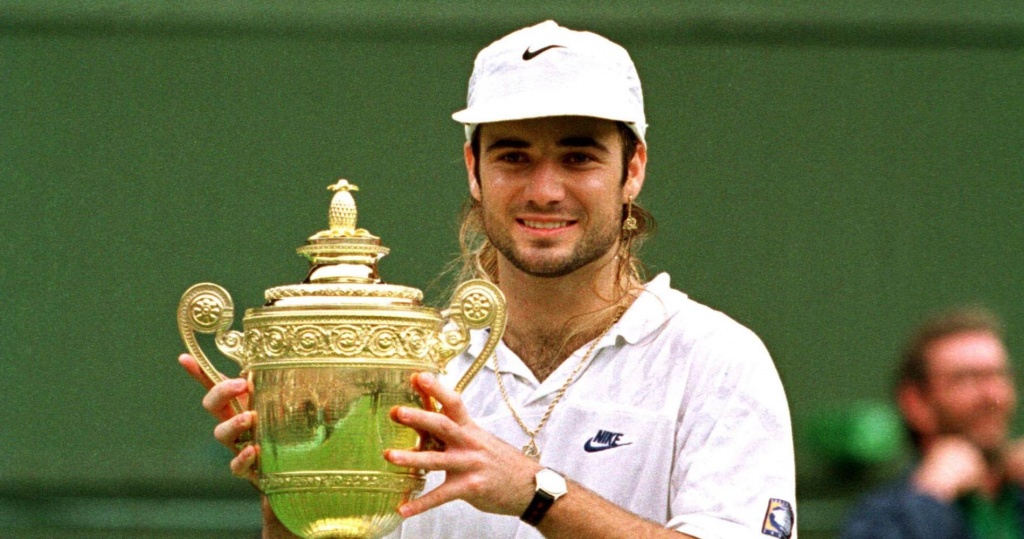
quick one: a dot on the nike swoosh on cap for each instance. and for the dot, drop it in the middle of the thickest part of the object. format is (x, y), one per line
(529, 55)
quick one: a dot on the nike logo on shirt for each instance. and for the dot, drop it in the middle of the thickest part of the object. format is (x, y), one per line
(604, 440)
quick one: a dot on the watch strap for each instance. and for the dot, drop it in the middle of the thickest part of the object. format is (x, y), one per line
(538, 507)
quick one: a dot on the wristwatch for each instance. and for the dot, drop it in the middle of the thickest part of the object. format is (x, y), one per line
(550, 487)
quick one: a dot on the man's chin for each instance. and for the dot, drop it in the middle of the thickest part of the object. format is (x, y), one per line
(548, 267)
(546, 271)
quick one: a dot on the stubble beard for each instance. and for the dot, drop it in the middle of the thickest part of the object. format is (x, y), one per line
(594, 244)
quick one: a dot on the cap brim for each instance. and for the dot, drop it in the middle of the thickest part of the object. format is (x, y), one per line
(542, 107)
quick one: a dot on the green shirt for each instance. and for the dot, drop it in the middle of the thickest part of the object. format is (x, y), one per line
(998, 518)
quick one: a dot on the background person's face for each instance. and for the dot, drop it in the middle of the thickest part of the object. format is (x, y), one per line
(969, 388)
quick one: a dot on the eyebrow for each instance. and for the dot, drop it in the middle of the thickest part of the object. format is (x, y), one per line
(507, 143)
(567, 142)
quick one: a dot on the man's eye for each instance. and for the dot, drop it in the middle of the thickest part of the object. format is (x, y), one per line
(578, 158)
(513, 157)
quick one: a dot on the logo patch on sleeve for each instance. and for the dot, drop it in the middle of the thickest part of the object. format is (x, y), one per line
(778, 520)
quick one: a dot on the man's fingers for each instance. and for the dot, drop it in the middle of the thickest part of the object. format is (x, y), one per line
(228, 432)
(244, 464)
(451, 403)
(194, 370)
(217, 401)
(439, 496)
(431, 423)
(424, 460)
(428, 403)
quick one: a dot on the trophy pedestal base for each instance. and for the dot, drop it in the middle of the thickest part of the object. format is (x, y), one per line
(353, 528)
(340, 505)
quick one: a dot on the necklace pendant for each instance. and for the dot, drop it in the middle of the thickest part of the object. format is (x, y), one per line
(531, 450)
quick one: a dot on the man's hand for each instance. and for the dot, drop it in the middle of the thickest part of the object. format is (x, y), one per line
(1013, 462)
(479, 468)
(218, 402)
(949, 468)
(495, 477)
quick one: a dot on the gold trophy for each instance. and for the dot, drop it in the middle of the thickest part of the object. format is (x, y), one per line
(327, 359)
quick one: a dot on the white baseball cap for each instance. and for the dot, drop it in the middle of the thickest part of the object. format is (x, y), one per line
(548, 70)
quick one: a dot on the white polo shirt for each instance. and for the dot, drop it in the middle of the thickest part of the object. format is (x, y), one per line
(679, 417)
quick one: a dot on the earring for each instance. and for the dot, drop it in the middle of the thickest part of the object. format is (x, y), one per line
(629, 224)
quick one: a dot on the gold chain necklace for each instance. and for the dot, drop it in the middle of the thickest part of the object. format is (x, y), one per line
(530, 449)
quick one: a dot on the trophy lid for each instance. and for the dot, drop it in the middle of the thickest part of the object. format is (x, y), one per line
(343, 263)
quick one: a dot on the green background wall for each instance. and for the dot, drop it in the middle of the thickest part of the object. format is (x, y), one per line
(827, 175)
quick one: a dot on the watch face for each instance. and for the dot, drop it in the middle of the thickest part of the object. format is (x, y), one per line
(551, 483)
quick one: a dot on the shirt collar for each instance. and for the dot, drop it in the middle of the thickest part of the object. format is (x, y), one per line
(648, 313)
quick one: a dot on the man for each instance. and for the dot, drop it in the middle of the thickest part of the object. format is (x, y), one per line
(957, 398)
(613, 408)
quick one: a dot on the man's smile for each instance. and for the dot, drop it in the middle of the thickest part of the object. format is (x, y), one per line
(546, 225)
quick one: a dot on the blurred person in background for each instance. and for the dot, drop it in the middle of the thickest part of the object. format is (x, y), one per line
(956, 395)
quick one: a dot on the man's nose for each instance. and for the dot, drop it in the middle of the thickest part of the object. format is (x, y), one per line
(999, 389)
(545, 185)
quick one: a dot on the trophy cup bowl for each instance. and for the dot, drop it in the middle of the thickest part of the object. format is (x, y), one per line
(327, 359)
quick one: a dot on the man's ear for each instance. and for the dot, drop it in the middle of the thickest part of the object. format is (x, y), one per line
(917, 410)
(474, 182)
(636, 171)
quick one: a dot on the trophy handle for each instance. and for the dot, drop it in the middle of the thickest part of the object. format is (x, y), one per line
(476, 304)
(207, 308)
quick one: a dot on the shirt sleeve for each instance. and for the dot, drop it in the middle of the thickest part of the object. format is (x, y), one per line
(734, 474)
